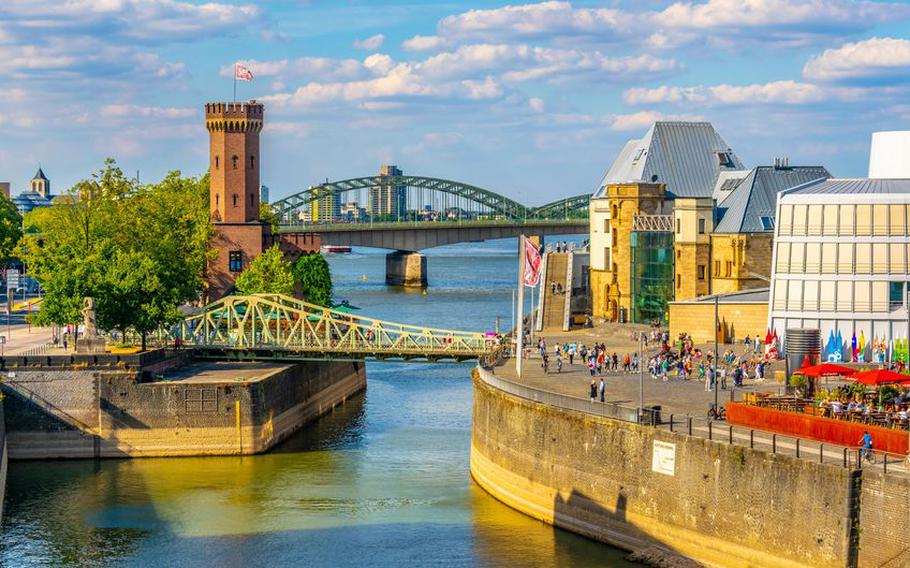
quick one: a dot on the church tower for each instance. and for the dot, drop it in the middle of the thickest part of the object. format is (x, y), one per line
(40, 184)
(240, 236)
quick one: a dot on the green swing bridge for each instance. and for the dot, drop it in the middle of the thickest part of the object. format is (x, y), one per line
(278, 327)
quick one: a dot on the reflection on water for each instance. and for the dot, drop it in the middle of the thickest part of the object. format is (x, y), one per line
(382, 481)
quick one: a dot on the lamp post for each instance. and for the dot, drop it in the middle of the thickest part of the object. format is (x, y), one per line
(716, 353)
(641, 373)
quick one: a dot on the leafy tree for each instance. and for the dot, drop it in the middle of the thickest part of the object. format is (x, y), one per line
(139, 250)
(315, 278)
(10, 227)
(269, 273)
(268, 215)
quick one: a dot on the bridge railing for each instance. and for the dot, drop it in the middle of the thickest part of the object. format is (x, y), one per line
(284, 323)
(325, 226)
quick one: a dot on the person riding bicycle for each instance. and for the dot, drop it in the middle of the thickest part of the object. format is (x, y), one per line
(866, 446)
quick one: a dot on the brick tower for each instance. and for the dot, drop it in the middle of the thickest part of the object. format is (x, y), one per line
(234, 191)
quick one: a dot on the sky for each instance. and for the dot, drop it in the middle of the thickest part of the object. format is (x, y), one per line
(531, 100)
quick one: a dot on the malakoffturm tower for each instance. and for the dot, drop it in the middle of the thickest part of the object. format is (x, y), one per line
(234, 191)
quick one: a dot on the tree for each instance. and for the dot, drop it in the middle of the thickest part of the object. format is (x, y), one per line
(139, 250)
(315, 278)
(10, 227)
(268, 215)
(269, 273)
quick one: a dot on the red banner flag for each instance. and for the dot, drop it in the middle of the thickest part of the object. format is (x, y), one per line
(530, 272)
(242, 72)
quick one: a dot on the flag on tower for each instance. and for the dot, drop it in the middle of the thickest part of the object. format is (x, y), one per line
(242, 72)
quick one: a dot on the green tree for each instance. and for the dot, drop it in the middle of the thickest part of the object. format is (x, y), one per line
(139, 250)
(315, 278)
(268, 273)
(268, 215)
(10, 228)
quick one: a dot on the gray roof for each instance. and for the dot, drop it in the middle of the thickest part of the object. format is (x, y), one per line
(40, 175)
(757, 295)
(756, 197)
(726, 183)
(686, 156)
(858, 185)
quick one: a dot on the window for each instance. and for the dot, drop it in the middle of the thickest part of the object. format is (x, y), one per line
(252, 162)
(217, 199)
(724, 160)
(678, 281)
(783, 257)
(767, 223)
(829, 258)
(679, 253)
(896, 294)
(607, 258)
(829, 221)
(606, 226)
(845, 258)
(846, 220)
(701, 271)
(880, 296)
(235, 261)
(880, 258)
(716, 268)
(795, 295)
(701, 226)
(813, 257)
(844, 296)
(780, 294)
(897, 258)
(799, 219)
(862, 299)
(234, 161)
(235, 200)
(898, 220)
(786, 219)
(797, 258)
(814, 220)
(810, 295)
(864, 220)
(880, 220)
(863, 258)
(826, 292)
(216, 162)
(728, 268)
(678, 226)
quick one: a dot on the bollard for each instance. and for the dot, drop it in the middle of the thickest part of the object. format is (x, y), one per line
(731, 434)
(845, 457)
(752, 439)
(671, 422)
(710, 429)
(689, 419)
(773, 443)
(821, 453)
(797, 447)
(885, 464)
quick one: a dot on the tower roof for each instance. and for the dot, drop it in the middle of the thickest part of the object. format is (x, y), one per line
(40, 175)
(752, 206)
(685, 156)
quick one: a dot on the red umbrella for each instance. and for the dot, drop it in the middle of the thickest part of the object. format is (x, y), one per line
(878, 377)
(828, 370)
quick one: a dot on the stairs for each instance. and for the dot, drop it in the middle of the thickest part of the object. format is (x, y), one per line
(554, 305)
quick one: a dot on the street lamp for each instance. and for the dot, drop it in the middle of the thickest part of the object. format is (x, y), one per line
(716, 353)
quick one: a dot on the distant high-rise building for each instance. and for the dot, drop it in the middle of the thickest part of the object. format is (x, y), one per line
(263, 194)
(325, 206)
(389, 198)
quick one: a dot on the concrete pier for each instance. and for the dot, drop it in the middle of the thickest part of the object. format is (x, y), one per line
(166, 405)
(407, 269)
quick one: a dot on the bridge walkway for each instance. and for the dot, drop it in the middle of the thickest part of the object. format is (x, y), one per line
(554, 304)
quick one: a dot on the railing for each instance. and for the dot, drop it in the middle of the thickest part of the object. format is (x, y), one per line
(366, 225)
(606, 409)
(655, 223)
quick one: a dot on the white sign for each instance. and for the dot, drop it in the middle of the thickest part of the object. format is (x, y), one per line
(12, 279)
(663, 459)
(2, 339)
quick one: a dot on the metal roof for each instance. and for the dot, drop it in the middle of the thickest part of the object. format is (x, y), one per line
(757, 295)
(859, 185)
(726, 183)
(40, 175)
(756, 197)
(686, 156)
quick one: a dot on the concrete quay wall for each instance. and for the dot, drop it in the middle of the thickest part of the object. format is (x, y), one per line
(86, 413)
(636, 486)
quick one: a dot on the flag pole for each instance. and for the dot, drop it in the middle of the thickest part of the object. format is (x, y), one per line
(235, 83)
(521, 300)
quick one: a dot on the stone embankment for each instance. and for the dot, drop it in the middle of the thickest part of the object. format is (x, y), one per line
(163, 404)
(643, 488)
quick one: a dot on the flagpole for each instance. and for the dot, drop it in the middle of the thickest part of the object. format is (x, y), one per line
(519, 336)
(235, 83)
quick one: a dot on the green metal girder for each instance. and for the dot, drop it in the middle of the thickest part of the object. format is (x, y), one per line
(499, 203)
(561, 207)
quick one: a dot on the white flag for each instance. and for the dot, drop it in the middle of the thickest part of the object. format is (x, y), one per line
(242, 72)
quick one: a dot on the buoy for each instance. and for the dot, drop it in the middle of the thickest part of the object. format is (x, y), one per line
(423, 292)
(364, 277)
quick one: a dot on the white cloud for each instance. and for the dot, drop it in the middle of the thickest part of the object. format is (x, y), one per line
(871, 61)
(423, 43)
(311, 68)
(536, 104)
(776, 92)
(124, 110)
(371, 43)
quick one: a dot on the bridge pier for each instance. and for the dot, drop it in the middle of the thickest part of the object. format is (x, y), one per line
(404, 268)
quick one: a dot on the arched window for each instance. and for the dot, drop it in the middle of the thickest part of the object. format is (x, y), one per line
(216, 162)
(252, 162)
(615, 211)
(235, 200)
(234, 160)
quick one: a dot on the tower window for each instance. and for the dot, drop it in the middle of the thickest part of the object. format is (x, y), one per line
(235, 261)
(252, 162)
(701, 226)
(217, 199)
(234, 160)
(216, 162)
(235, 200)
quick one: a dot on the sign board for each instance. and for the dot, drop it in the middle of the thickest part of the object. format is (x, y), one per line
(12, 279)
(663, 458)
(2, 340)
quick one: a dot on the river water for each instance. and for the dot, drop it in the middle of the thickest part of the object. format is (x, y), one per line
(382, 481)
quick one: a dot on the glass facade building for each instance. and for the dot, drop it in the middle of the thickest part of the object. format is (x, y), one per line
(840, 263)
(652, 275)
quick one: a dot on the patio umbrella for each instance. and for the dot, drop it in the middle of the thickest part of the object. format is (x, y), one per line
(878, 377)
(827, 370)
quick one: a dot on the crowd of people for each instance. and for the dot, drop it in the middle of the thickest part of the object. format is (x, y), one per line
(596, 358)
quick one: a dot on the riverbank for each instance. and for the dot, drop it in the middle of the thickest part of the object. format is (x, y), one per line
(717, 502)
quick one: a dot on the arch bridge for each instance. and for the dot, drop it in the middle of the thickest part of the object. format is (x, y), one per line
(273, 326)
(412, 213)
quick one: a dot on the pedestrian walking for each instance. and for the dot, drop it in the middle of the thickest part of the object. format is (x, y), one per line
(593, 391)
(603, 388)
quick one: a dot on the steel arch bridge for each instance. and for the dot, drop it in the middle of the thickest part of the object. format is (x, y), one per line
(491, 204)
(274, 326)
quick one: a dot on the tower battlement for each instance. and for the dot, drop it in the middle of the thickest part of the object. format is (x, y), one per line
(234, 117)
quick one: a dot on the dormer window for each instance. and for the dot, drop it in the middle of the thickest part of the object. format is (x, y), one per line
(725, 160)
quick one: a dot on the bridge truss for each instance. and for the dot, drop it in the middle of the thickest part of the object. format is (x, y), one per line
(448, 200)
(272, 326)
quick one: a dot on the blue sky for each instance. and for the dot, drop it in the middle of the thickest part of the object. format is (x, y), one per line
(531, 100)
